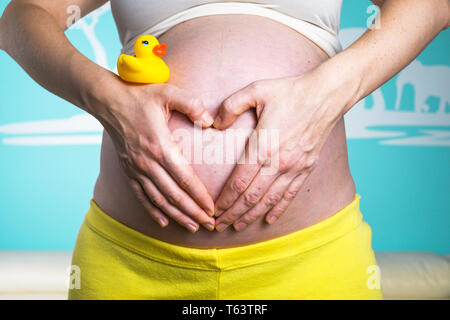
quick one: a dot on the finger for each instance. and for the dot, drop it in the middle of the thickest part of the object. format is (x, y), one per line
(271, 198)
(236, 184)
(236, 104)
(161, 202)
(180, 170)
(246, 201)
(182, 101)
(287, 198)
(173, 194)
(249, 164)
(154, 212)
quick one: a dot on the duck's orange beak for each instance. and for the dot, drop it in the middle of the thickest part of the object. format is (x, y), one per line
(160, 50)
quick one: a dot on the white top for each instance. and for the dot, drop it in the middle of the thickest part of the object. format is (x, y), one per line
(317, 20)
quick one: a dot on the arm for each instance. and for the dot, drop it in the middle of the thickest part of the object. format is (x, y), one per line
(32, 33)
(310, 105)
(407, 27)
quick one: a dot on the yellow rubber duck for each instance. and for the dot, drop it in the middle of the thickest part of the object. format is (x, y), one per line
(147, 66)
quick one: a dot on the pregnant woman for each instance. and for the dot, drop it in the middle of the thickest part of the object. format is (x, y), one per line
(173, 220)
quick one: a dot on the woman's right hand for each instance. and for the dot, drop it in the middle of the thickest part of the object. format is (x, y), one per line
(161, 178)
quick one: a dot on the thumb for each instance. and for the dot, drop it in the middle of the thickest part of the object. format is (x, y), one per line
(235, 105)
(182, 101)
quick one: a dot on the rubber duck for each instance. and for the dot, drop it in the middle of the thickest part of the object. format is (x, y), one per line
(147, 66)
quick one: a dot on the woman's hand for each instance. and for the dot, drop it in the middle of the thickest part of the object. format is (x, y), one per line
(160, 176)
(302, 117)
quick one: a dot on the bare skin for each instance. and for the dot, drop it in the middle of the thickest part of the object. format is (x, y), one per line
(317, 182)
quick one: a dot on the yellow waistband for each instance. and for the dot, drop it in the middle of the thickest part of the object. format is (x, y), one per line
(294, 243)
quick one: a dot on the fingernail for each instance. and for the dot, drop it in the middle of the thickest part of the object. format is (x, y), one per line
(209, 226)
(272, 219)
(191, 227)
(162, 222)
(221, 227)
(207, 119)
(219, 212)
(240, 226)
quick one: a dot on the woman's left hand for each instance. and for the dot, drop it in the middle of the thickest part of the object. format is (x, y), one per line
(295, 111)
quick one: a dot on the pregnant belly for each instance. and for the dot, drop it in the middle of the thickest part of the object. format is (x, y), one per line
(212, 57)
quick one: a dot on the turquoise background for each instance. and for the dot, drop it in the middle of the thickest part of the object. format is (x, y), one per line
(45, 190)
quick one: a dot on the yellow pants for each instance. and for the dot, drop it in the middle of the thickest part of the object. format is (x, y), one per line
(332, 259)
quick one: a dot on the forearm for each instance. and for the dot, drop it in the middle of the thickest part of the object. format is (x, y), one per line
(407, 27)
(35, 39)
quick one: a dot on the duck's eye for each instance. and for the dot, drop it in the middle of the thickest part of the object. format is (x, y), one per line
(145, 42)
